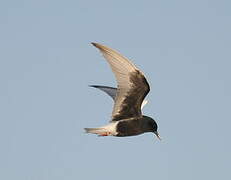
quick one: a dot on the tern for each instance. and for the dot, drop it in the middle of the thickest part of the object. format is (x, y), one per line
(129, 98)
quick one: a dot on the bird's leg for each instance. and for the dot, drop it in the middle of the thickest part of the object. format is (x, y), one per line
(105, 134)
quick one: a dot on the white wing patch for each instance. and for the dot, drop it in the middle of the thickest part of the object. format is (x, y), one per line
(144, 103)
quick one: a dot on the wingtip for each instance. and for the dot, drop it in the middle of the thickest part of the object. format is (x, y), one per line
(94, 86)
(94, 44)
(99, 46)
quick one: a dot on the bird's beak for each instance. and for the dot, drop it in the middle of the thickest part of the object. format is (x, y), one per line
(157, 134)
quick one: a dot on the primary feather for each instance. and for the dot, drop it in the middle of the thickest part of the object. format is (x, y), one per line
(132, 86)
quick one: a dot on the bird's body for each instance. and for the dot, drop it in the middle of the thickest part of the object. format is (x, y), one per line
(124, 127)
(134, 126)
(127, 118)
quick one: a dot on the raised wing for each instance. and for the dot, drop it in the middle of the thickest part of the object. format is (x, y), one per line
(112, 92)
(108, 90)
(132, 85)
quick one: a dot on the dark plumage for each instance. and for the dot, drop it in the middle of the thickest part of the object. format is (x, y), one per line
(127, 118)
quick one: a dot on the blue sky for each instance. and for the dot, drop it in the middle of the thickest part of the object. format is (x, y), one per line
(47, 63)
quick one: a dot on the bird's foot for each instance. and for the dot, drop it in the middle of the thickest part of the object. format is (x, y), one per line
(105, 134)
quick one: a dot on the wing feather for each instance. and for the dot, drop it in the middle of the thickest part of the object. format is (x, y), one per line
(108, 90)
(111, 91)
(132, 85)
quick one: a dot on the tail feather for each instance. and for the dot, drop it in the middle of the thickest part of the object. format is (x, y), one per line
(107, 130)
(94, 130)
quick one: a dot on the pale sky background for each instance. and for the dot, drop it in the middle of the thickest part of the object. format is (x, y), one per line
(47, 63)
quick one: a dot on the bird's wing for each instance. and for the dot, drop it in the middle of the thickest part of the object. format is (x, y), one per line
(144, 103)
(132, 85)
(111, 91)
(108, 90)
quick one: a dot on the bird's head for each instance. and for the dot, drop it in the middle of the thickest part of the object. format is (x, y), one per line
(151, 126)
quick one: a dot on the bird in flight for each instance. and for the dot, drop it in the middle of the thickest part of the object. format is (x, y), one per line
(132, 88)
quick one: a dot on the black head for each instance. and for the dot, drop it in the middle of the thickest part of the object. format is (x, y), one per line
(151, 126)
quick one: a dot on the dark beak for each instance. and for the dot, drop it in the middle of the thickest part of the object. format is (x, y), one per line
(157, 134)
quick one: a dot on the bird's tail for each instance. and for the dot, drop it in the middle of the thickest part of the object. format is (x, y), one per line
(107, 130)
(99, 131)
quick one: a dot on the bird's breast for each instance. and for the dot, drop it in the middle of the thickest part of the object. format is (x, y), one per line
(129, 127)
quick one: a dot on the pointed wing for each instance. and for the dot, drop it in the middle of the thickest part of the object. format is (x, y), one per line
(132, 85)
(108, 90)
(112, 93)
